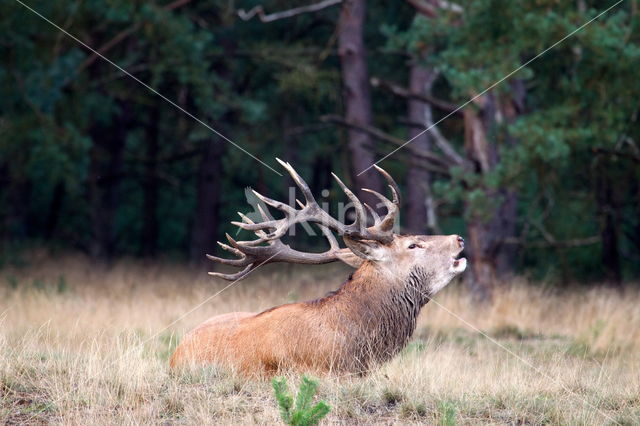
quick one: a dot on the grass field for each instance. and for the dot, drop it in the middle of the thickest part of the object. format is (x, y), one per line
(82, 344)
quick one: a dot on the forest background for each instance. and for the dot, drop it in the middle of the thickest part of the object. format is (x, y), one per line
(540, 173)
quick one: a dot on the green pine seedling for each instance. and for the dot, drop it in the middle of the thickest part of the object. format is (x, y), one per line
(299, 412)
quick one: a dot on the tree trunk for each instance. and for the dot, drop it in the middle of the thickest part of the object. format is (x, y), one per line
(483, 268)
(5, 187)
(608, 225)
(204, 227)
(321, 175)
(491, 259)
(357, 97)
(53, 215)
(511, 107)
(634, 234)
(105, 176)
(150, 228)
(204, 232)
(482, 277)
(507, 215)
(17, 218)
(479, 119)
(290, 145)
(420, 216)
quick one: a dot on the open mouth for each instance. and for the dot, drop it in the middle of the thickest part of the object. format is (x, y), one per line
(459, 261)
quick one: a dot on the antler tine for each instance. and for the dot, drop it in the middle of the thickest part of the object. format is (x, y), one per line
(264, 215)
(249, 248)
(361, 217)
(247, 257)
(230, 262)
(229, 249)
(333, 242)
(392, 184)
(279, 226)
(259, 233)
(306, 191)
(234, 277)
(376, 217)
(393, 207)
(392, 210)
(240, 261)
(285, 208)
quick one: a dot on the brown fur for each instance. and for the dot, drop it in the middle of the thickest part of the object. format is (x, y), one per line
(366, 321)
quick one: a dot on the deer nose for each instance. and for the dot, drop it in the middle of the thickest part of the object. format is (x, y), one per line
(460, 241)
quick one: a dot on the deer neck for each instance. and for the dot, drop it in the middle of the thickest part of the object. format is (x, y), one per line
(381, 310)
(373, 283)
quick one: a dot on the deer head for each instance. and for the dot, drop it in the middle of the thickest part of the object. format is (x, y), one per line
(432, 261)
(429, 260)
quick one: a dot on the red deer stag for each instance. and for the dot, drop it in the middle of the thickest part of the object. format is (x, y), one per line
(366, 321)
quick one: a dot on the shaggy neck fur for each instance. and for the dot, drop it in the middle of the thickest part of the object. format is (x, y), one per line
(376, 314)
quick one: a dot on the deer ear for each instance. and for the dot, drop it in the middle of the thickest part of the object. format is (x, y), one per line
(366, 249)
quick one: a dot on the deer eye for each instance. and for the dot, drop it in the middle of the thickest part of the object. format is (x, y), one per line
(412, 246)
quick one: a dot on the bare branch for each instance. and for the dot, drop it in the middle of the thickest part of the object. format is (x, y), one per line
(430, 9)
(259, 10)
(442, 163)
(617, 152)
(415, 158)
(445, 146)
(576, 242)
(122, 35)
(632, 144)
(441, 142)
(405, 93)
(311, 128)
(450, 6)
(423, 7)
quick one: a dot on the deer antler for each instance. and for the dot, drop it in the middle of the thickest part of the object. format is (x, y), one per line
(251, 254)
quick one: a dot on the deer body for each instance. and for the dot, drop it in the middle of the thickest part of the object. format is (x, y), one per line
(368, 320)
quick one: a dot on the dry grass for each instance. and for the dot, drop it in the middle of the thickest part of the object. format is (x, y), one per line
(86, 345)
